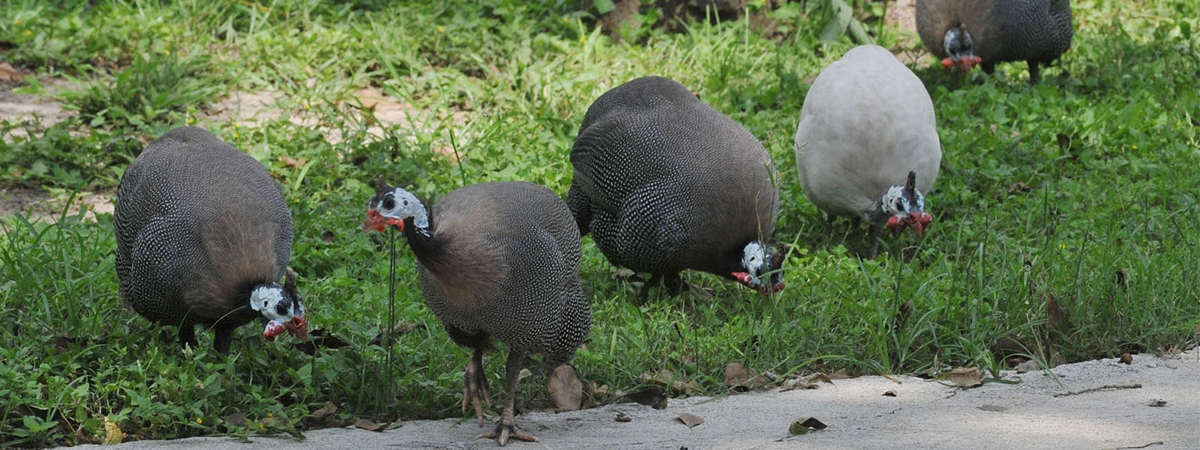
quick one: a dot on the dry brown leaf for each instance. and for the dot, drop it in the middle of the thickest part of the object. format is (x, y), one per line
(652, 396)
(806, 425)
(1126, 358)
(994, 408)
(691, 420)
(736, 374)
(967, 377)
(369, 425)
(889, 394)
(622, 417)
(322, 417)
(236, 419)
(841, 374)
(565, 388)
(112, 432)
(9, 73)
(292, 162)
(689, 388)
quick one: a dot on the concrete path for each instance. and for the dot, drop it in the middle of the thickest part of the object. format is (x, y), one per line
(922, 415)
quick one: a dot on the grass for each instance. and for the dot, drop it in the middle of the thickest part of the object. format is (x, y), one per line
(1081, 188)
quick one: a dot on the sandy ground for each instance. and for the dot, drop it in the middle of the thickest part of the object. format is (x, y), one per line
(922, 415)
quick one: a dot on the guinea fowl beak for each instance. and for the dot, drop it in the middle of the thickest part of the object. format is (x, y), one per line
(377, 222)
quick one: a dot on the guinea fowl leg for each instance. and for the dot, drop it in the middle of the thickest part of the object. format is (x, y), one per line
(1034, 75)
(223, 339)
(507, 426)
(475, 386)
(653, 281)
(673, 283)
(187, 335)
(873, 234)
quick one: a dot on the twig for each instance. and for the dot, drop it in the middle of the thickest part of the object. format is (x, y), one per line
(1107, 386)
(890, 378)
(1140, 446)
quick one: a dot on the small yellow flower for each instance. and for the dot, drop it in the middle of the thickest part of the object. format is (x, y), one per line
(235, 135)
(199, 420)
(269, 415)
(583, 39)
(191, 120)
(166, 51)
(18, 21)
(27, 32)
(1062, 246)
(1135, 147)
(441, 28)
(566, 19)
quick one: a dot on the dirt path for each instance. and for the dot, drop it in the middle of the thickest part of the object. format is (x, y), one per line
(922, 415)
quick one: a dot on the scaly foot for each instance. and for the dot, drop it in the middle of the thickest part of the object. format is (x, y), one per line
(505, 429)
(475, 390)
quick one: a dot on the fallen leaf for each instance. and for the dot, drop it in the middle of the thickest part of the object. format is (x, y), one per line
(841, 374)
(689, 388)
(1158, 402)
(995, 408)
(806, 425)
(1126, 358)
(622, 417)
(736, 375)
(889, 394)
(320, 338)
(9, 73)
(294, 163)
(1027, 366)
(322, 417)
(236, 419)
(369, 425)
(662, 378)
(112, 432)
(400, 329)
(691, 420)
(565, 388)
(652, 396)
(966, 377)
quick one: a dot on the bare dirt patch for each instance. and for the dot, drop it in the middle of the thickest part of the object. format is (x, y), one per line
(33, 110)
(369, 106)
(40, 206)
(902, 14)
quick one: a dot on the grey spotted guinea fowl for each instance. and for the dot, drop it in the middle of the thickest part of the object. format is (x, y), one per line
(495, 260)
(203, 237)
(665, 183)
(968, 32)
(867, 143)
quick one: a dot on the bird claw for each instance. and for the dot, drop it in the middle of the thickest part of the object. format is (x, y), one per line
(505, 431)
(475, 391)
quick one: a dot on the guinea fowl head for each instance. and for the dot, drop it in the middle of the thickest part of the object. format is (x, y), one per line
(960, 49)
(281, 307)
(393, 207)
(760, 268)
(905, 206)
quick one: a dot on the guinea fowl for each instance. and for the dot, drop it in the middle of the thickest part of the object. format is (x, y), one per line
(968, 32)
(867, 143)
(496, 260)
(203, 237)
(664, 183)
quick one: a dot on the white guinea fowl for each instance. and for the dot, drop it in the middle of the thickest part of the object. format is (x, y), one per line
(867, 129)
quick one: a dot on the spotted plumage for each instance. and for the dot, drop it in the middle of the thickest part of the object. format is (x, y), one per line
(201, 229)
(1034, 31)
(495, 260)
(867, 143)
(665, 183)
